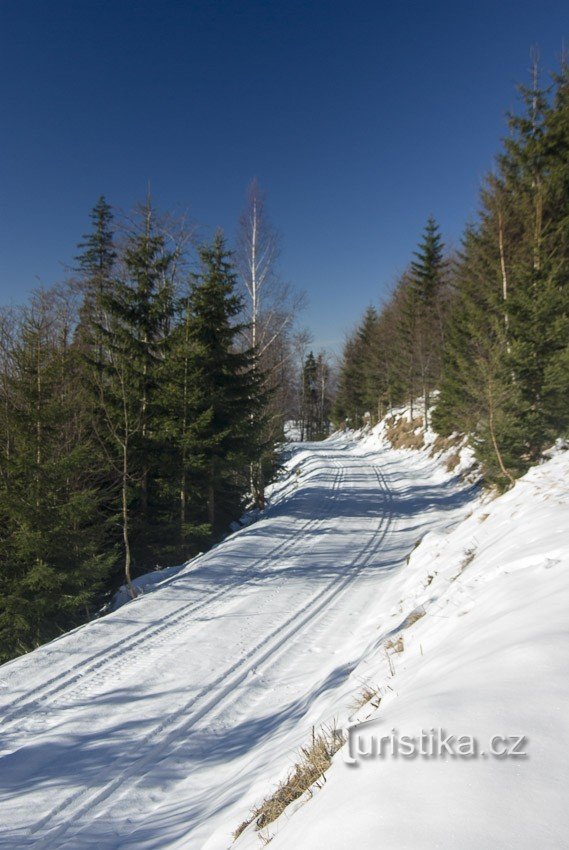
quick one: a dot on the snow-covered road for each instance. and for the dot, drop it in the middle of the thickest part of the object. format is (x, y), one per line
(159, 725)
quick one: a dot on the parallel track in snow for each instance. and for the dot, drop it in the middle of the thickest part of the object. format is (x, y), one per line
(108, 662)
(80, 808)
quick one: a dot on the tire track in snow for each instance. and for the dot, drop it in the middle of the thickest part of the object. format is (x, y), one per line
(81, 804)
(106, 663)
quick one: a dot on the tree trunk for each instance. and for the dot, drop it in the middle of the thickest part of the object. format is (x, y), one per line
(125, 522)
(211, 506)
(504, 276)
(183, 499)
(184, 458)
(492, 430)
(144, 409)
(38, 423)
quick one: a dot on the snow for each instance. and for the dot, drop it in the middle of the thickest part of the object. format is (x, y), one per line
(162, 723)
(292, 431)
(146, 583)
(490, 657)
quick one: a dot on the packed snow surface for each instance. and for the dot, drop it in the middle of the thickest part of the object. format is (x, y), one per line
(163, 723)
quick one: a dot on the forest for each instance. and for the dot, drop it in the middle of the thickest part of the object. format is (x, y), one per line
(482, 333)
(143, 401)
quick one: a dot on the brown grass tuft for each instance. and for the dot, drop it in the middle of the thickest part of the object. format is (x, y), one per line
(401, 433)
(415, 545)
(241, 828)
(395, 645)
(443, 444)
(414, 616)
(314, 761)
(469, 555)
(452, 462)
(367, 694)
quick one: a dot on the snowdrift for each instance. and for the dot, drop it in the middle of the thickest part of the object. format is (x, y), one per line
(469, 640)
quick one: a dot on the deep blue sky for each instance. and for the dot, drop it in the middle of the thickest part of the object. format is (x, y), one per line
(358, 119)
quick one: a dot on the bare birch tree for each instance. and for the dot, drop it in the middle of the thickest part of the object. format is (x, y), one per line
(270, 307)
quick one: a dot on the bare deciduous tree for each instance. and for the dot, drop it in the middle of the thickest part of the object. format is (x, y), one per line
(270, 307)
(271, 304)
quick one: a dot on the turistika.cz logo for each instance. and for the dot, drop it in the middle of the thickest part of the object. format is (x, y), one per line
(364, 744)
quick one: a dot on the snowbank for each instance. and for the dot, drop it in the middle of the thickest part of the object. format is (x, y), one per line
(403, 430)
(146, 583)
(482, 614)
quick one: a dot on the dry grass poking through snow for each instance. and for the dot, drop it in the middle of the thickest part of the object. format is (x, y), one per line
(415, 615)
(314, 761)
(415, 545)
(452, 462)
(367, 694)
(441, 445)
(396, 645)
(469, 555)
(401, 433)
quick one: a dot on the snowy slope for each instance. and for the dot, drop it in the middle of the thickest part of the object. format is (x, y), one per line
(159, 725)
(489, 657)
(162, 724)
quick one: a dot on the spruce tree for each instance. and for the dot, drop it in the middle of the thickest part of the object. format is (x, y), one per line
(54, 553)
(554, 395)
(513, 298)
(310, 396)
(96, 266)
(359, 379)
(186, 529)
(424, 303)
(226, 393)
(137, 306)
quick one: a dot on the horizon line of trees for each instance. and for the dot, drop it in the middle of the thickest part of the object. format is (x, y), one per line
(488, 327)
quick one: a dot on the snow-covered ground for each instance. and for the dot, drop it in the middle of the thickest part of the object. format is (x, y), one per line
(161, 724)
